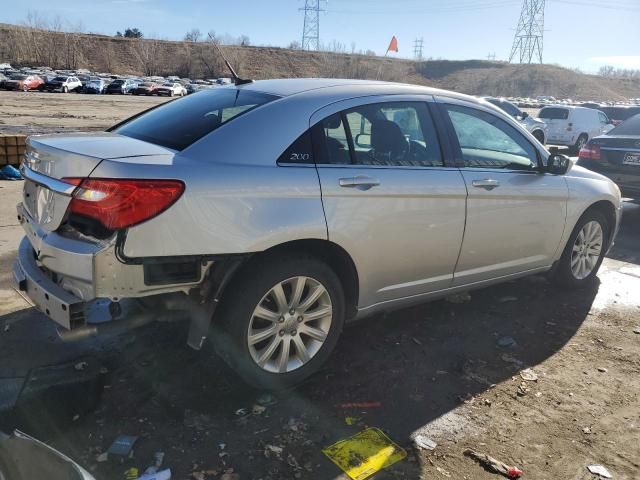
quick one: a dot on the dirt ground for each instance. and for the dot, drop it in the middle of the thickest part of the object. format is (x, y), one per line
(36, 112)
(437, 369)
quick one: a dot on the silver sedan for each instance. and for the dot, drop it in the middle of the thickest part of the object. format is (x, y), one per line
(271, 213)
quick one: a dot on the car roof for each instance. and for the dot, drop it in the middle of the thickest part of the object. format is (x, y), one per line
(285, 87)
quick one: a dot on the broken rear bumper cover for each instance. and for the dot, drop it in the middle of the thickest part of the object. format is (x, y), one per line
(64, 277)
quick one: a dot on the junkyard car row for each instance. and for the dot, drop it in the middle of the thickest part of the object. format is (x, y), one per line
(287, 208)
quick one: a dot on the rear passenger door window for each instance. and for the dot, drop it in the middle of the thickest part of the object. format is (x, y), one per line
(487, 141)
(381, 134)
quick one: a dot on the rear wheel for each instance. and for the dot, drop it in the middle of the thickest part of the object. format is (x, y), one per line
(584, 252)
(25, 88)
(581, 142)
(280, 321)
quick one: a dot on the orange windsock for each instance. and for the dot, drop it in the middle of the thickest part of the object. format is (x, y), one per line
(393, 45)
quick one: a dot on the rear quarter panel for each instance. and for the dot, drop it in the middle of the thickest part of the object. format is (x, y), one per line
(226, 208)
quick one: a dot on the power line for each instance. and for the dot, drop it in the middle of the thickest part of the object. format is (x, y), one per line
(311, 26)
(528, 40)
(417, 48)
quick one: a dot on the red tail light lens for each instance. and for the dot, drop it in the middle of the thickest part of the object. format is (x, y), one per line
(589, 152)
(120, 203)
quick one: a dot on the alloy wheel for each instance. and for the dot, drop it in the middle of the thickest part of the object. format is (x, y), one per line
(586, 250)
(290, 324)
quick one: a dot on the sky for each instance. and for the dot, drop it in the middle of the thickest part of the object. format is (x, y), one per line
(583, 34)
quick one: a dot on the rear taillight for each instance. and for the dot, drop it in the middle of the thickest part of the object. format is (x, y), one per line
(589, 152)
(120, 203)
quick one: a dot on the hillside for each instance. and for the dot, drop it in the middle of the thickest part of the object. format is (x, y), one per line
(25, 46)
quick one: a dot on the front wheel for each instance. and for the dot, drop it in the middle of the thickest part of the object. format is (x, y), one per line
(280, 321)
(584, 252)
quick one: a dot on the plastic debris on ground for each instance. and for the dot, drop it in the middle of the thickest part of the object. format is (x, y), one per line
(493, 465)
(162, 475)
(424, 442)
(122, 445)
(131, 474)
(365, 453)
(599, 470)
(273, 451)
(636, 330)
(9, 172)
(529, 375)
(506, 342)
(158, 458)
(351, 420)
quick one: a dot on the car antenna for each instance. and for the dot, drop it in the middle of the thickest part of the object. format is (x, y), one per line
(236, 79)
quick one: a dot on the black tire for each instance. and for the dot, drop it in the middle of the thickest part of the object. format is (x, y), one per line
(562, 273)
(580, 142)
(539, 136)
(231, 322)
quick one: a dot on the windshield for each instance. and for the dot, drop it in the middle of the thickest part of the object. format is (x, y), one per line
(552, 113)
(117, 82)
(18, 77)
(179, 123)
(628, 127)
(60, 79)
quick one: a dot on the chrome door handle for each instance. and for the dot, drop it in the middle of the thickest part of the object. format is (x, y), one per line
(360, 182)
(487, 183)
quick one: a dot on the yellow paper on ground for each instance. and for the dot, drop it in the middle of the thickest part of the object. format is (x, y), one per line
(365, 453)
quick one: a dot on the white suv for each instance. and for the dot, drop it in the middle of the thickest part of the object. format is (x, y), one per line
(573, 126)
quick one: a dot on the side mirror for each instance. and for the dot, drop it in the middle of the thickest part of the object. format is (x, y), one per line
(558, 164)
(524, 115)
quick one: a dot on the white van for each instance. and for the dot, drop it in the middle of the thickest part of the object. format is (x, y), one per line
(573, 126)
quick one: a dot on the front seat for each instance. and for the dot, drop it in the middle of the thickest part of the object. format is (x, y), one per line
(387, 142)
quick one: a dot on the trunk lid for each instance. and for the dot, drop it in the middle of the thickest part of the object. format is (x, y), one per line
(50, 158)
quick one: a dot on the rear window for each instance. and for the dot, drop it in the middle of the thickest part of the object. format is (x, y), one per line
(628, 127)
(552, 113)
(180, 123)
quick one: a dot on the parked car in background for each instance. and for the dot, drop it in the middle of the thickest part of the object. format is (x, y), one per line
(537, 127)
(171, 89)
(619, 113)
(121, 86)
(95, 85)
(617, 156)
(145, 88)
(62, 84)
(269, 242)
(23, 82)
(573, 126)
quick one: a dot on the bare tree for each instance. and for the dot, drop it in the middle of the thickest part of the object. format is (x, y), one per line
(193, 35)
(295, 45)
(606, 71)
(147, 53)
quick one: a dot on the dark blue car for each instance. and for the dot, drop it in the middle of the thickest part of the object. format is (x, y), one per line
(617, 156)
